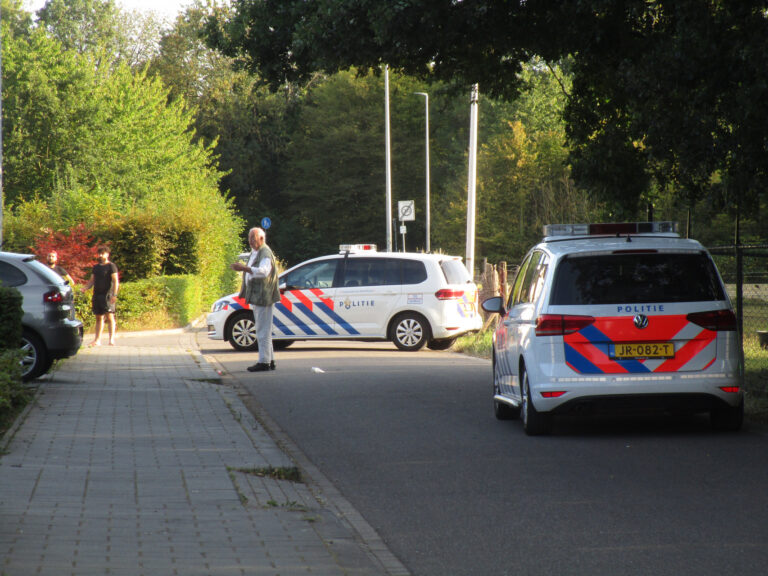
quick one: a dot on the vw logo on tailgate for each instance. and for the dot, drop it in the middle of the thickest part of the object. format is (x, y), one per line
(641, 321)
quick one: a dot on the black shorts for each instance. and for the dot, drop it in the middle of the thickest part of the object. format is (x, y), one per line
(102, 304)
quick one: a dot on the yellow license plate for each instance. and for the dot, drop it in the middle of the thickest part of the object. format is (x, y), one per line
(643, 350)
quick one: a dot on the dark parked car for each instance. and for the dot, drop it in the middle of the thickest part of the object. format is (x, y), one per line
(50, 330)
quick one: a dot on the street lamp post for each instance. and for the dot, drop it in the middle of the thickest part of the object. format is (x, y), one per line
(426, 144)
(388, 159)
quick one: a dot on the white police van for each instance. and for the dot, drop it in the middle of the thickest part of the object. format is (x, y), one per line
(616, 317)
(410, 299)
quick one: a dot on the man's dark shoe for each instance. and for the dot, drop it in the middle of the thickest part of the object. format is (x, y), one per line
(260, 367)
(271, 364)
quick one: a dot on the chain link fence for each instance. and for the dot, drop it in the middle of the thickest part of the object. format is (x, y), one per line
(745, 272)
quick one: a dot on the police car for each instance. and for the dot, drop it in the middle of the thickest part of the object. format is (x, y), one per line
(410, 299)
(615, 317)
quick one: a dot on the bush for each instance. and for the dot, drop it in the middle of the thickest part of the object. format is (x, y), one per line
(12, 393)
(10, 318)
(161, 302)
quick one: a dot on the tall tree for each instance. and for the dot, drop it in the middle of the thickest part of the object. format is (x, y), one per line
(81, 25)
(247, 124)
(664, 91)
(102, 29)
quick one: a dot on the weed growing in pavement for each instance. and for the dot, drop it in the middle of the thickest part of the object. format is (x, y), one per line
(290, 473)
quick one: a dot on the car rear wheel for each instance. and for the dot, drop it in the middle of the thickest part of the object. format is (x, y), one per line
(35, 360)
(534, 422)
(410, 332)
(240, 331)
(727, 418)
(502, 410)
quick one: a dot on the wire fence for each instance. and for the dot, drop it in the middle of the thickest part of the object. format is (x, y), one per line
(745, 272)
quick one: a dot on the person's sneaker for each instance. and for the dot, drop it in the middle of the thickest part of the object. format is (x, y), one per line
(260, 367)
(271, 364)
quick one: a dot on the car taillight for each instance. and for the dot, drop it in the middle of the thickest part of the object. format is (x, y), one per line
(553, 394)
(446, 294)
(561, 324)
(54, 297)
(715, 320)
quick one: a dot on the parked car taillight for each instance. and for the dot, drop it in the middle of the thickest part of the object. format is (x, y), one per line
(561, 324)
(446, 294)
(715, 320)
(54, 297)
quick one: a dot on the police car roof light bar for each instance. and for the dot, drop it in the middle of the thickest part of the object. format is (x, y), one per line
(357, 247)
(610, 228)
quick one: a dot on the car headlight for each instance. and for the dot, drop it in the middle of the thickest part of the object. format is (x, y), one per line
(219, 305)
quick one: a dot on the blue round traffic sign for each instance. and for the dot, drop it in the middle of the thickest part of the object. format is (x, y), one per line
(266, 223)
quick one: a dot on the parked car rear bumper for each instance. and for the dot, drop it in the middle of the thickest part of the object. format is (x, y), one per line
(65, 340)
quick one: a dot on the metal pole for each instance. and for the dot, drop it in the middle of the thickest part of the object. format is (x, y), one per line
(472, 178)
(388, 158)
(426, 147)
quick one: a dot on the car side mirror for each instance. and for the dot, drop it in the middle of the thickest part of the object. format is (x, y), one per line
(494, 305)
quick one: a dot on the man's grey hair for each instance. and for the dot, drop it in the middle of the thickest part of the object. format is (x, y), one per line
(258, 232)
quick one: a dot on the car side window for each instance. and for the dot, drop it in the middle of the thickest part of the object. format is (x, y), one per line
(414, 272)
(514, 295)
(526, 290)
(371, 272)
(538, 277)
(313, 275)
(11, 276)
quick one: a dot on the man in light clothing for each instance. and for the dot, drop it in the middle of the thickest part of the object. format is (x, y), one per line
(260, 290)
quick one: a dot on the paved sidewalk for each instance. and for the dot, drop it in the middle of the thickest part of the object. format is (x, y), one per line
(137, 460)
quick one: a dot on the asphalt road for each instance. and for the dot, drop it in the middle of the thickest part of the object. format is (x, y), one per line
(410, 440)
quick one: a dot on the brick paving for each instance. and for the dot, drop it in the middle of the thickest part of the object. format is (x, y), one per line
(137, 460)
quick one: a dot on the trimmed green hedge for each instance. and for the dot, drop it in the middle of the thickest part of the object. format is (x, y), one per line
(10, 318)
(12, 393)
(153, 303)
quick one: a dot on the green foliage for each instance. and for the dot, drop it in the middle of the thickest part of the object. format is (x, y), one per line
(119, 158)
(159, 302)
(667, 97)
(11, 390)
(80, 25)
(137, 247)
(10, 318)
(333, 172)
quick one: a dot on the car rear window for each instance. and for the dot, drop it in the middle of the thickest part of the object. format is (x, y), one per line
(635, 278)
(455, 272)
(45, 272)
(10, 275)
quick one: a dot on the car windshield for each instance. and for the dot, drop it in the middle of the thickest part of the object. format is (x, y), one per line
(455, 272)
(635, 278)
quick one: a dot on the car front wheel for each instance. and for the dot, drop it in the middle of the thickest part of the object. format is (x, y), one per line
(35, 360)
(410, 332)
(240, 331)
